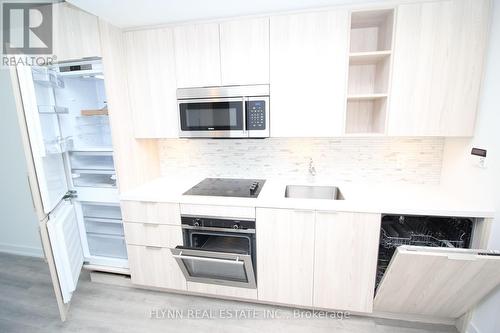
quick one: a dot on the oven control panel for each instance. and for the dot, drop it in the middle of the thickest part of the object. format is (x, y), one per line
(204, 222)
(256, 115)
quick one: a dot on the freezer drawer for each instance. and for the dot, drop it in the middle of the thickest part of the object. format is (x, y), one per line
(442, 282)
(92, 160)
(103, 226)
(107, 246)
(93, 178)
(101, 211)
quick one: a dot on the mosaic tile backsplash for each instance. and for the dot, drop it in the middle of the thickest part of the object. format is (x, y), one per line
(407, 160)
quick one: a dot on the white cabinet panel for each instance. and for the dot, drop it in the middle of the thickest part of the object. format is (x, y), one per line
(197, 55)
(345, 260)
(308, 73)
(152, 85)
(154, 267)
(151, 234)
(285, 255)
(76, 33)
(244, 48)
(151, 212)
(437, 70)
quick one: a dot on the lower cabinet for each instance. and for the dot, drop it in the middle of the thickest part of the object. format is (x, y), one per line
(345, 260)
(155, 267)
(319, 259)
(285, 256)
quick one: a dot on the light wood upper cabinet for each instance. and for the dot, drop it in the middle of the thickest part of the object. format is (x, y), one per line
(437, 69)
(244, 51)
(345, 260)
(285, 252)
(308, 73)
(76, 33)
(152, 83)
(197, 55)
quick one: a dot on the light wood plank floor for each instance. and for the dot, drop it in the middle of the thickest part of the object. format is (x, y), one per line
(27, 304)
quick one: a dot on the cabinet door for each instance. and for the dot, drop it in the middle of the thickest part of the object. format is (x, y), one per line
(151, 79)
(437, 70)
(345, 260)
(76, 33)
(197, 55)
(285, 254)
(244, 48)
(154, 267)
(308, 73)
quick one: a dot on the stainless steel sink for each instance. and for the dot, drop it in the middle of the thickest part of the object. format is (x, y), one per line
(313, 192)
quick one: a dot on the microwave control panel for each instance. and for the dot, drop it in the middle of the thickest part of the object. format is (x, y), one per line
(256, 115)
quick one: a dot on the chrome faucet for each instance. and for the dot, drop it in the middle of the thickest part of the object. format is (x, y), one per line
(312, 169)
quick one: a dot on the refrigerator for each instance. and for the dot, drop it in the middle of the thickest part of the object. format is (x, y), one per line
(64, 115)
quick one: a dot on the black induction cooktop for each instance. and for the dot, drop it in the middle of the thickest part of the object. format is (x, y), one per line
(228, 187)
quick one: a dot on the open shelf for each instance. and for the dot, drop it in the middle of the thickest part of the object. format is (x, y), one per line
(372, 30)
(369, 71)
(368, 58)
(366, 97)
(366, 116)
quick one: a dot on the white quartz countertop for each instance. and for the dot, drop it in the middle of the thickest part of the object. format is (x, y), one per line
(372, 198)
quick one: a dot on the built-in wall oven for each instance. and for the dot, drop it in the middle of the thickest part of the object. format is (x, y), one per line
(218, 251)
(224, 112)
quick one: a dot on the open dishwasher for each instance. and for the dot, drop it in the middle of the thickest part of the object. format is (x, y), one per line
(426, 266)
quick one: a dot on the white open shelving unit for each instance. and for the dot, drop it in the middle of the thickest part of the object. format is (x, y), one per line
(369, 71)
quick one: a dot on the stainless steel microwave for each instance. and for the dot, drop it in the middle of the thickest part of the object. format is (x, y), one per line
(224, 112)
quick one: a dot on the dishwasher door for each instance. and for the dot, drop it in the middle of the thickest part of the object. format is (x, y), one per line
(441, 282)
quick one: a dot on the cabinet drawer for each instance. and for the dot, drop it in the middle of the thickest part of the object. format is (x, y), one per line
(151, 212)
(222, 211)
(154, 267)
(148, 234)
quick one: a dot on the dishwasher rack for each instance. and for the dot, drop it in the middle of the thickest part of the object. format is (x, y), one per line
(431, 231)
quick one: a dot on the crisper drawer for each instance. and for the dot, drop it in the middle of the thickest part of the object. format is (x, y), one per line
(104, 226)
(110, 246)
(149, 234)
(93, 178)
(155, 267)
(151, 212)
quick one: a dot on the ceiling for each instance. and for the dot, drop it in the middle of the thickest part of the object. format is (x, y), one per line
(134, 13)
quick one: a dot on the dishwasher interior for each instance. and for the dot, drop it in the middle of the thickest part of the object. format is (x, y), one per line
(432, 231)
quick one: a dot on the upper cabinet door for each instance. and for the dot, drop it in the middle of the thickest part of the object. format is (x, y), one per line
(197, 55)
(152, 85)
(437, 70)
(244, 46)
(76, 33)
(308, 73)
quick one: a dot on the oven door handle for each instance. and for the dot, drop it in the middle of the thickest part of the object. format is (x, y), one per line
(235, 262)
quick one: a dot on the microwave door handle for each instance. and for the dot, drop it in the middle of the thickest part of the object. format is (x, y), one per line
(236, 262)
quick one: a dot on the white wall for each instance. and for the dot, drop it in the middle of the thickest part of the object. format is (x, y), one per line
(18, 222)
(460, 172)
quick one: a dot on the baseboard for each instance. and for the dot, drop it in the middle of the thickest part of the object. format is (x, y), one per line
(27, 251)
